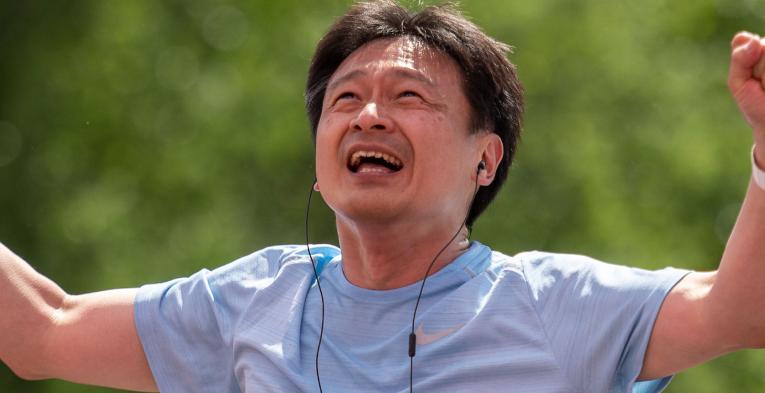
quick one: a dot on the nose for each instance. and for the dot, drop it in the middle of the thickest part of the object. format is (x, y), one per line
(371, 118)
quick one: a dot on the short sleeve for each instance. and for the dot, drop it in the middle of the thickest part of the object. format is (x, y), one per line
(598, 317)
(185, 325)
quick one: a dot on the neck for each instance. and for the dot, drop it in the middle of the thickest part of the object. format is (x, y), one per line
(387, 256)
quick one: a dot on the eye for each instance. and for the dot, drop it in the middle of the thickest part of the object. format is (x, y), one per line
(408, 93)
(345, 96)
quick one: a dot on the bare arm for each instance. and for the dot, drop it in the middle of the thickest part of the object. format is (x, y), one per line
(47, 333)
(709, 314)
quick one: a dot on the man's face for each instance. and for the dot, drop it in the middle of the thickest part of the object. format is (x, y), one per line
(393, 139)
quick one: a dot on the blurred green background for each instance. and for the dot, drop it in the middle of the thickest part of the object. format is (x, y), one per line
(144, 140)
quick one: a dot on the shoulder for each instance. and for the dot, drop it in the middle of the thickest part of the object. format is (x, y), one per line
(559, 266)
(543, 272)
(231, 287)
(597, 316)
(547, 267)
(583, 277)
(245, 276)
(270, 262)
(560, 263)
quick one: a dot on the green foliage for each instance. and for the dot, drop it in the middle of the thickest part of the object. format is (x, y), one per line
(144, 140)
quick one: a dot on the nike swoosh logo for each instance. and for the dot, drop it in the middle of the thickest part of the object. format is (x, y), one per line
(428, 338)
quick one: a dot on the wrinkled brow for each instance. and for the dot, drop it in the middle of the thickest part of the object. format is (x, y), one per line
(398, 72)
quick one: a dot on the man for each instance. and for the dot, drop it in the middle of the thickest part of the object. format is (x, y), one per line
(416, 118)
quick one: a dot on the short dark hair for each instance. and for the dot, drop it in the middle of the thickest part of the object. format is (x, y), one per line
(490, 81)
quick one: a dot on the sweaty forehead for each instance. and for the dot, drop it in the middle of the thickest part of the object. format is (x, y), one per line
(401, 53)
(404, 51)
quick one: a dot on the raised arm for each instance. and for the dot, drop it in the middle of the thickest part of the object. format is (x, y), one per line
(709, 314)
(47, 333)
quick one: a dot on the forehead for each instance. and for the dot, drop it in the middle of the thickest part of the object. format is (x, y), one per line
(401, 54)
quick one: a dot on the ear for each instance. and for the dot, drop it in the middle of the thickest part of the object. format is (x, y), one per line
(316, 186)
(491, 154)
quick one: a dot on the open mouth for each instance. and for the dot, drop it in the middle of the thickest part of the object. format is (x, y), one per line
(374, 162)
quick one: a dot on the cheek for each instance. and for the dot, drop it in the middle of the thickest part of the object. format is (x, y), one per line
(327, 145)
(331, 127)
(437, 138)
(431, 120)
(323, 152)
(445, 156)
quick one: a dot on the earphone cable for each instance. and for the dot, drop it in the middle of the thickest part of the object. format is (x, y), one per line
(318, 285)
(412, 336)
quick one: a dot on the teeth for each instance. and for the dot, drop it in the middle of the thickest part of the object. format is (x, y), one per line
(357, 156)
(371, 170)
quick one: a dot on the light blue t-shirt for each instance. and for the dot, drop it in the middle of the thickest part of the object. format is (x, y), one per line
(531, 323)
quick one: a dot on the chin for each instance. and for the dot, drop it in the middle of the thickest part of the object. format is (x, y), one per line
(367, 210)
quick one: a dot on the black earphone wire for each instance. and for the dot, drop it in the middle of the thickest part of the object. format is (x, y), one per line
(412, 336)
(318, 284)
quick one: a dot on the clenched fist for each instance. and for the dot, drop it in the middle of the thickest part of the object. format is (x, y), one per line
(747, 85)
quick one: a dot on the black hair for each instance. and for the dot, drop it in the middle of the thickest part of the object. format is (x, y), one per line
(490, 81)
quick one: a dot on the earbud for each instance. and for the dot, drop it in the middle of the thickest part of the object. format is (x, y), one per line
(481, 166)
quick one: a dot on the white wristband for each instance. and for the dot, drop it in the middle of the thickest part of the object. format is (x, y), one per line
(758, 174)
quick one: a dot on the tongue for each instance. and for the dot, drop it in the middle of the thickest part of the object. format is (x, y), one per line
(368, 167)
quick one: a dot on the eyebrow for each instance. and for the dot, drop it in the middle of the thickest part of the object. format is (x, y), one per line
(399, 72)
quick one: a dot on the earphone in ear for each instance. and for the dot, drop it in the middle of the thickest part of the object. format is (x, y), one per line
(481, 166)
